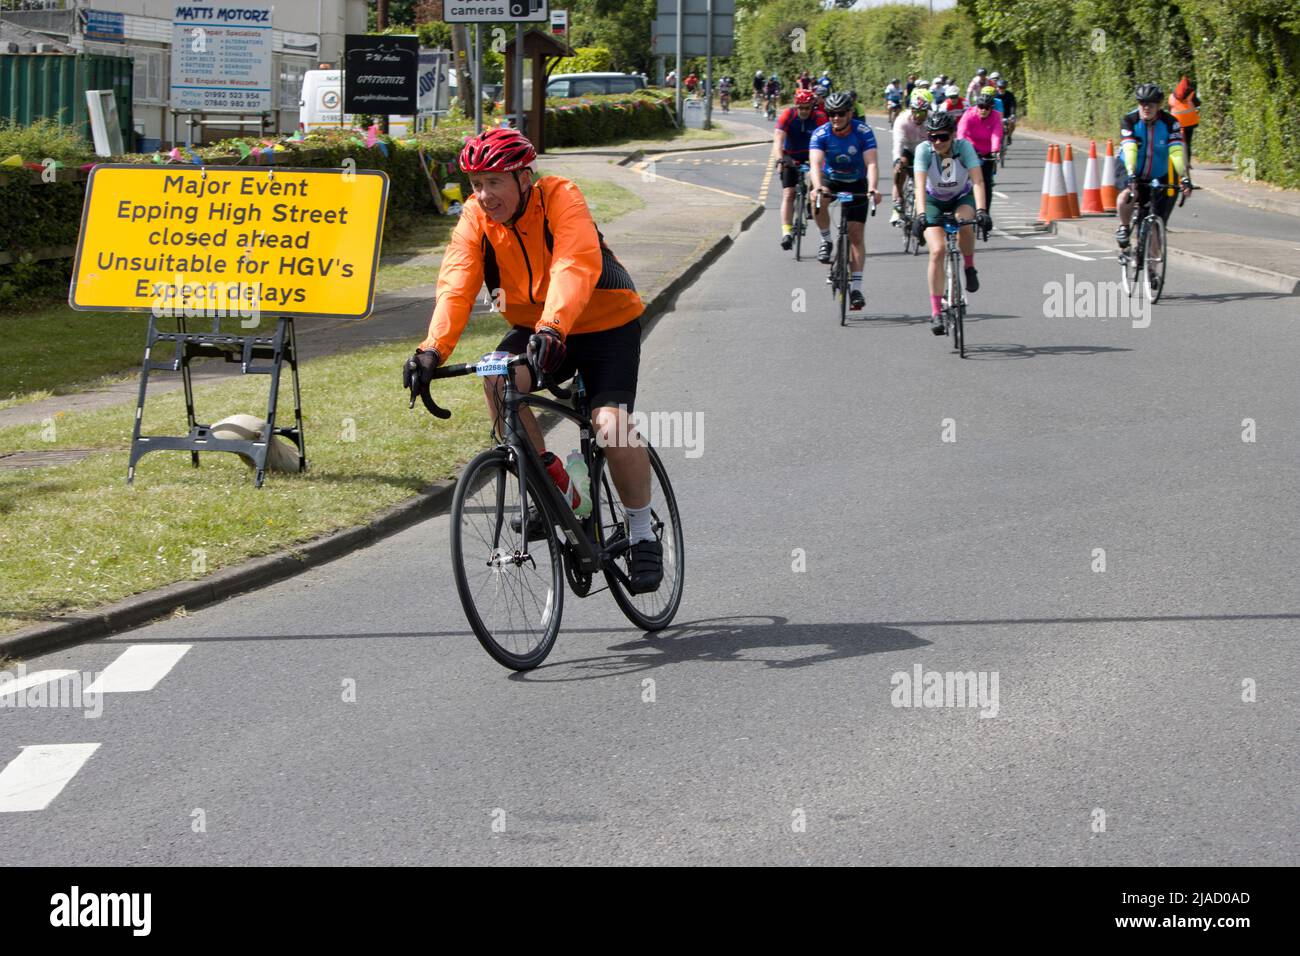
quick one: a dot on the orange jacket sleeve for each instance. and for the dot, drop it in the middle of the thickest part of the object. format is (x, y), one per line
(575, 259)
(459, 279)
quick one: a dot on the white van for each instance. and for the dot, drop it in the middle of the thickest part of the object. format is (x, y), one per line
(321, 102)
(592, 84)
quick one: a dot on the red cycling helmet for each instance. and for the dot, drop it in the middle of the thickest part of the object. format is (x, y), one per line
(498, 150)
(803, 98)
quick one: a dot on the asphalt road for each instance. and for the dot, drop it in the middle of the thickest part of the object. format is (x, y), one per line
(836, 542)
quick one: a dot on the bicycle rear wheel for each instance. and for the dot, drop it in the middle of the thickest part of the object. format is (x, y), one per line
(513, 603)
(1153, 273)
(800, 220)
(843, 270)
(655, 610)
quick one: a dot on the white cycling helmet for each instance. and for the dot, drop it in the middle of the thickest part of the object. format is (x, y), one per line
(995, 75)
(951, 91)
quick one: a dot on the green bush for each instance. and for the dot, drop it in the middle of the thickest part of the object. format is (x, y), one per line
(589, 59)
(590, 120)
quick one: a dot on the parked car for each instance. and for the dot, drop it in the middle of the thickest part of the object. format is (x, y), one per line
(592, 84)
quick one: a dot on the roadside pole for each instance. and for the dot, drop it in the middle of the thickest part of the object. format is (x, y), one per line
(519, 77)
(708, 67)
(677, 87)
(478, 78)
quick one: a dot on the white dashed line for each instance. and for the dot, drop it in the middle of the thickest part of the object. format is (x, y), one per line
(11, 687)
(39, 773)
(1062, 252)
(139, 668)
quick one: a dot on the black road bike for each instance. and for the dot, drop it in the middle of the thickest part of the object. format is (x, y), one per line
(911, 244)
(1143, 262)
(954, 299)
(800, 223)
(841, 274)
(516, 541)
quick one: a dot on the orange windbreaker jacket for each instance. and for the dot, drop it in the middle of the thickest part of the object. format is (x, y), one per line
(552, 267)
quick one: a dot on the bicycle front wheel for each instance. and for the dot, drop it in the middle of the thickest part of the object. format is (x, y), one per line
(654, 610)
(800, 221)
(1154, 257)
(1130, 263)
(512, 591)
(843, 269)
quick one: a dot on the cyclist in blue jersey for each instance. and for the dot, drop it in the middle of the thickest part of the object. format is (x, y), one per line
(948, 174)
(794, 129)
(1151, 147)
(842, 155)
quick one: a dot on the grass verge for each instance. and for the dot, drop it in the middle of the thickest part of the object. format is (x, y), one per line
(77, 536)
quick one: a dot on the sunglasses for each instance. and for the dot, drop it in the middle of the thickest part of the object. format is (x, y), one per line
(834, 113)
(940, 137)
(1148, 102)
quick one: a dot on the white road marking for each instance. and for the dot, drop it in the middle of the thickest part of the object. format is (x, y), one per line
(39, 773)
(139, 668)
(1001, 195)
(1062, 252)
(1006, 235)
(1072, 245)
(9, 688)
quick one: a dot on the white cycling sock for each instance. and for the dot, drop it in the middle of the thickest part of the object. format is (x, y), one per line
(855, 281)
(638, 524)
(826, 235)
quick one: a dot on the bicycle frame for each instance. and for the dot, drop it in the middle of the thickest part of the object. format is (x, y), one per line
(558, 511)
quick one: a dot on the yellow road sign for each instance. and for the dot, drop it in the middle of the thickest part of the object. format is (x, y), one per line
(213, 240)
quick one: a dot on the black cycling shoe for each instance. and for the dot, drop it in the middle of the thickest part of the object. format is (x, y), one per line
(536, 527)
(647, 566)
(787, 241)
(936, 325)
(857, 301)
(824, 252)
(972, 279)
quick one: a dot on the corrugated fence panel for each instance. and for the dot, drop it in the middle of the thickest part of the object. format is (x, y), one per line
(53, 86)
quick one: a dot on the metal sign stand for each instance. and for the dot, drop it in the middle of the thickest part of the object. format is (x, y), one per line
(279, 348)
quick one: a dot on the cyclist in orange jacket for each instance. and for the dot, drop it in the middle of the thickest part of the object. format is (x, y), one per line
(571, 305)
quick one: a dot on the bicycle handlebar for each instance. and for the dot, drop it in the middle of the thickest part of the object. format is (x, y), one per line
(469, 368)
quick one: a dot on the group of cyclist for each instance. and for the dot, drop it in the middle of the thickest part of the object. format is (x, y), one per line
(947, 141)
(948, 148)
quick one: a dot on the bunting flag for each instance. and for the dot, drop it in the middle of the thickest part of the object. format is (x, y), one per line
(372, 135)
(357, 141)
(175, 154)
(298, 136)
(157, 157)
(257, 154)
(383, 148)
(15, 161)
(244, 151)
(87, 167)
(194, 157)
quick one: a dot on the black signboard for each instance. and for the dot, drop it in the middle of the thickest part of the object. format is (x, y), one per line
(380, 74)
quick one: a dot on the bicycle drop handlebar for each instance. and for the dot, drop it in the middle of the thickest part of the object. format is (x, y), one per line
(846, 197)
(470, 368)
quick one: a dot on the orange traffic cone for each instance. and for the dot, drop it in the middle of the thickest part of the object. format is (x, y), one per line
(1109, 194)
(1058, 205)
(1047, 186)
(1071, 187)
(1091, 188)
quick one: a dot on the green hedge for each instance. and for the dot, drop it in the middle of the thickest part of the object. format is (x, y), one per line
(591, 120)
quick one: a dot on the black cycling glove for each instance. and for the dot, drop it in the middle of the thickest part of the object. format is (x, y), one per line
(419, 368)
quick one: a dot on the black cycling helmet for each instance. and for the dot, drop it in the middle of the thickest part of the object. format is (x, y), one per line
(1149, 93)
(943, 122)
(853, 95)
(839, 101)
(984, 99)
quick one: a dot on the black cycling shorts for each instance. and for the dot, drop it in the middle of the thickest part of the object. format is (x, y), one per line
(855, 211)
(608, 360)
(790, 174)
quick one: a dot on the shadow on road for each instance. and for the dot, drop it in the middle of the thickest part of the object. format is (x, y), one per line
(744, 640)
(1014, 351)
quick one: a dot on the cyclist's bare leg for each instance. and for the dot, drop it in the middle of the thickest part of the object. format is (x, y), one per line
(822, 216)
(900, 177)
(857, 248)
(629, 462)
(1124, 207)
(934, 242)
(787, 205)
(494, 388)
(966, 238)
